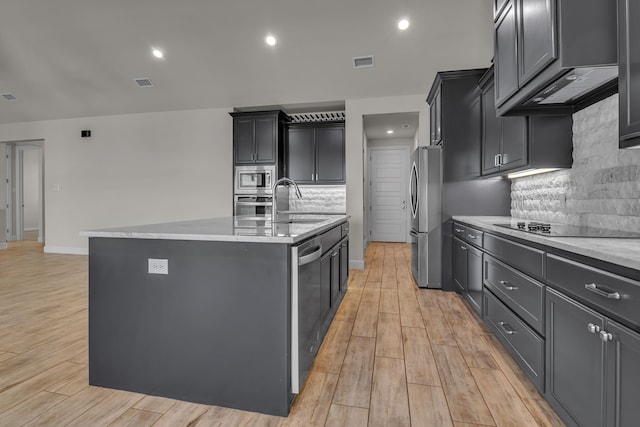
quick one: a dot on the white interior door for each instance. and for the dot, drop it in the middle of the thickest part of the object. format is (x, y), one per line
(388, 183)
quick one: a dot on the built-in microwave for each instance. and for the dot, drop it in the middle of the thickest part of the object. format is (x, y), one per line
(254, 179)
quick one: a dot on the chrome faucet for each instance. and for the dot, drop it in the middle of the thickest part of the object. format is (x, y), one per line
(283, 180)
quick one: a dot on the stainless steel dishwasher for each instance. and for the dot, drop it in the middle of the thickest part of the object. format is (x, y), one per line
(306, 315)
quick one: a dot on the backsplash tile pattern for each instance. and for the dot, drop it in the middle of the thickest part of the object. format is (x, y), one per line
(602, 189)
(319, 198)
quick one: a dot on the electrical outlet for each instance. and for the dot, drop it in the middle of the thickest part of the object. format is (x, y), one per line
(158, 266)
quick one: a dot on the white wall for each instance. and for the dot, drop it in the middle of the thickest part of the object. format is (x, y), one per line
(135, 169)
(356, 145)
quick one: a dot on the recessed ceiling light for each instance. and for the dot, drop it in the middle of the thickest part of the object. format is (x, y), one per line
(158, 53)
(270, 40)
(390, 131)
(403, 24)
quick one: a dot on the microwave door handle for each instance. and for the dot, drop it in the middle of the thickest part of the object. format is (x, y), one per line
(254, 203)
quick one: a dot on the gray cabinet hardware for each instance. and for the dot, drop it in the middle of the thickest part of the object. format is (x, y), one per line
(508, 285)
(507, 328)
(592, 287)
(593, 329)
(605, 336)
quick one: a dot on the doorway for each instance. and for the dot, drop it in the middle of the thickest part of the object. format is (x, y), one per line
(389, 141)
(23, 193)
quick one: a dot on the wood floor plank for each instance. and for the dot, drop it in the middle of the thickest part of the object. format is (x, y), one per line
(389, 398)
(30, 408)
(312, 406)
(136, 418)
(366, 324)
(331, 355)
(473, 347)
(110, 408)
(418, 358)
(503, 402)
(410, 314)
(438, 329)
(428, 406)
(542, 413)
(370, 295)
(155, 404)
(354, 383)
(182, 414)
(389, 301)
(466, 403)
(389, 336)
(342, 416)
(71, 408)
(349, 307)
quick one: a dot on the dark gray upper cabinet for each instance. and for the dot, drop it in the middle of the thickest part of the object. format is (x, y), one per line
(542, 46)
(316, 153)
(301, 155)
(510, 144)
(258, 137)
(629, 72)
(436, 119)
(537, 37)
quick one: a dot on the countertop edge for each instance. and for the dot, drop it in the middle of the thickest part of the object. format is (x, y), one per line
(603, 249)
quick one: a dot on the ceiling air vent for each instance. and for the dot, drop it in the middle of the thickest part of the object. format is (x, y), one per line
(327, 116)
(363, 61)
(9, 96)
(144, 82)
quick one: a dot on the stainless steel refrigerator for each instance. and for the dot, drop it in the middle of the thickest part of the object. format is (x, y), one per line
(425, 184)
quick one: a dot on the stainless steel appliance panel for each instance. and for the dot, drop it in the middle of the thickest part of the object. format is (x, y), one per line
(426, 258)
(255, 179)
(252, 206)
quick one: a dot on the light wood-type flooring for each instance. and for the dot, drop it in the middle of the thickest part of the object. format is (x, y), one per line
(395, 355)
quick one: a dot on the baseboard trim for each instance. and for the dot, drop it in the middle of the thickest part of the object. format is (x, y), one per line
(356, 264)
(3, 246)
(65, 250)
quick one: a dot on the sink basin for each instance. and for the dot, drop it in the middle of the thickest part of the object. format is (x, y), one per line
(299, 221)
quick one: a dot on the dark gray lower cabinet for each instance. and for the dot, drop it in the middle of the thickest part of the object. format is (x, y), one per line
(623, 376)
(575, 357)
(344, 265)
(467, 274)
(325, 290)
(593, 365)
(460, 249)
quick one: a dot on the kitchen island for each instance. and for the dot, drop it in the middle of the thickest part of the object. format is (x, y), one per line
(203, 310)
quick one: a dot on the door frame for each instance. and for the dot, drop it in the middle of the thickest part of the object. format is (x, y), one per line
(407, 155)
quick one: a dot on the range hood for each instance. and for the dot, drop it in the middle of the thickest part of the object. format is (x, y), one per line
(573, 85)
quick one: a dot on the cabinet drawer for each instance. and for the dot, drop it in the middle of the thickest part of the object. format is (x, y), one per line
(522, 343)
(345, 229)
(616, 295)
(468, 234)
(522, 257)
(520, 293)
(330, 238)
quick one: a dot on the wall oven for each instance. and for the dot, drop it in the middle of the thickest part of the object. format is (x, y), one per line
(252, 206)
(254, 180)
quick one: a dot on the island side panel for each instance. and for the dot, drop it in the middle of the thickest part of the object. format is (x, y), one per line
(215, 330)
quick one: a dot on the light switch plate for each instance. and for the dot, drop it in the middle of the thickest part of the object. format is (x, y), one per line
(158, 266)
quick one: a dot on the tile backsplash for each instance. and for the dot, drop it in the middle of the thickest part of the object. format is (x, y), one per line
(602, 188)
(319, 198)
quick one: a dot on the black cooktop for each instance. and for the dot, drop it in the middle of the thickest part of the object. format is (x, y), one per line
(565, 230)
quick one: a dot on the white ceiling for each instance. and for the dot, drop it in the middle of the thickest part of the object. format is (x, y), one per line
(75, 58)
(403, 125)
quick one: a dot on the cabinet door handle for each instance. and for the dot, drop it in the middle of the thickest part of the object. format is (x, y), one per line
(464, 248)
(471, 236)
(605, 336)
(335, 254)
(508, 285)
(507, 328)
(459, 230)
(593, 329)
(592, 287)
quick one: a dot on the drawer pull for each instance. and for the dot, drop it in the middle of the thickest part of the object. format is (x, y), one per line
(507, 328)
(459, 230)
(592, 287)
(605, 336)
(593, 329)
(471, 236)
(508, 286)
(464, 248)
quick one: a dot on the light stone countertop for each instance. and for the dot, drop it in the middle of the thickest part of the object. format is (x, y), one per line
(227, 229)
(623, 252)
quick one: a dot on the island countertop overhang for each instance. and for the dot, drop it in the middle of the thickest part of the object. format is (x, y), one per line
(228, 229)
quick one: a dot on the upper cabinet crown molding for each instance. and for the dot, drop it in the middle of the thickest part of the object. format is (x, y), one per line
(543, 46)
